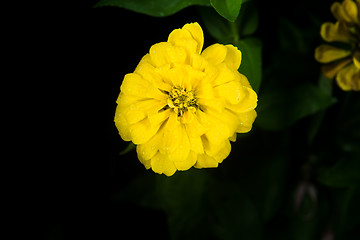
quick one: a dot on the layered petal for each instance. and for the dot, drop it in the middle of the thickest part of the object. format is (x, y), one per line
(336, 32)
(189, 37)
(326, 53)
(349, 78)
(356, 60)
(160, 163)
(331, 69)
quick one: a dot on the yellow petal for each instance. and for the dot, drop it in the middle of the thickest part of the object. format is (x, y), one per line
(122, 124)
(233, 57)
(351, 10)
(205, 91)
(196, 145)
(158, 54)
(224, 152)
(232, 91)
(195, 128)
(173, 133)
(133, 84)
(245, 121)
(145, 162)
(180, 155)
(151, 74)
(233, 137)
(205, 161)
(338, 11)
(331, 32)
(224, 75)
(213, 141)
(141, 109)
(247, 101)
(148, 150)
(142, 131)
(198, 62)
(327, 53)
(215, 53)
(160, 163)
(189, 37)
(356, 60)
(197, 34)
(331, 69)
(242, 79)
(349, 78)
(186, 163)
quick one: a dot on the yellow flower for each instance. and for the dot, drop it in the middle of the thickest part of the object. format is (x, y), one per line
(181, 106)
(342, 63)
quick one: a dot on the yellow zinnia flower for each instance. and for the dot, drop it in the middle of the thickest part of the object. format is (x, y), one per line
(344, 64)
(181, 106)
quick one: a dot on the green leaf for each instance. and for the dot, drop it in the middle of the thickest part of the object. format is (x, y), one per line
(280, 107)
(217, 26)
(226, 32)
(181, 196)
(128, 148)
(155, 8)
(251, 61)
(248, 19)
(229, 9)
(345, 173)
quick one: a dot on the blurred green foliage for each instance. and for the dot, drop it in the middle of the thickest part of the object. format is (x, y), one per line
(296, 174)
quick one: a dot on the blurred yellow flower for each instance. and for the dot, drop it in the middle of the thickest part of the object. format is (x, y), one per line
(181, 106)
(339, 62)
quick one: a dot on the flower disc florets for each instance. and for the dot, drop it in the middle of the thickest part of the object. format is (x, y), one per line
(181, 106)
(181, 100)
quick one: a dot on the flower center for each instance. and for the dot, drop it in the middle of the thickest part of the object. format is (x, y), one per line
(182, 100)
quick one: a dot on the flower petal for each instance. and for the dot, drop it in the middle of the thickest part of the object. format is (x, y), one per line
(349, 78)
(141, 109)
(187, 163)
(327, 53)
(144, 161)
(180, 155)
(189, 37)
(246, 120)
(337, 10)
(172, 135)
(224, 152)
(195, 128)
(356, 60)
(148, 150)
(160, 163)
(233, 57)
(142, 131)
(197, 33)
(331, 32)
(351, 10)
(232, 91)
(122, 124)
(205, 161)
(196, 145)
(164, 53)
(215, 53)
(148, 72)
(331, 69)
(246, 102)
(225, 75)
